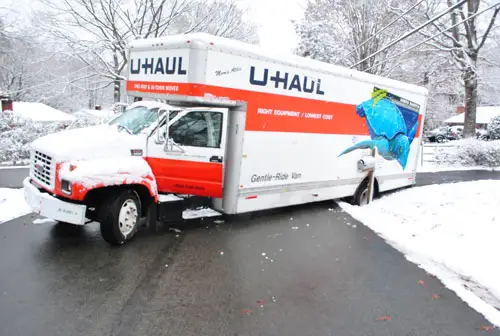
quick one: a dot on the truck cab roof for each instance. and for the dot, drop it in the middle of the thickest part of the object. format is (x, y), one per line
(151, 104)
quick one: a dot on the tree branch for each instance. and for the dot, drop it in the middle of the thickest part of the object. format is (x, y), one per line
(488, 30)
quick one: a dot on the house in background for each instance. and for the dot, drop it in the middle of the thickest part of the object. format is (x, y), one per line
(100, 113)
(37, 112)
(484, 114)
(6, 102)
(96, 114)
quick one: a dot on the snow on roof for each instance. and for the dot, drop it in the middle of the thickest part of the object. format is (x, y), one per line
(104, 113)
(212, 42)
(39, 112)
(484, 114)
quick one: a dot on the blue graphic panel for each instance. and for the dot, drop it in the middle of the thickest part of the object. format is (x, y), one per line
(392, 122)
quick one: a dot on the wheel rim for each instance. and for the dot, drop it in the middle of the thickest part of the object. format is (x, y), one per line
(363, 200)
(128, 217)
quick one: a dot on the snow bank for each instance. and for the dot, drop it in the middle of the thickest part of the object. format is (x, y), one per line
(450, 230)
(12, 204)
(461, 155)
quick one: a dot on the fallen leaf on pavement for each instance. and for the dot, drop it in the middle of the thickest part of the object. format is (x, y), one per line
(436, 296)
(486, 328)
(384, 318)
(421, 282)
(247, 311)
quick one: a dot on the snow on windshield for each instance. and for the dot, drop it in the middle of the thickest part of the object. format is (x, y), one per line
(136, 119)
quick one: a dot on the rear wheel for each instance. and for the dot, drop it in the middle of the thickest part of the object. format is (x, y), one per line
(360, 197)
(440, 138)
(119, 217)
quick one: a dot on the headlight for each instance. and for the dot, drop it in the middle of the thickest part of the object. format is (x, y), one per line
(66, 187)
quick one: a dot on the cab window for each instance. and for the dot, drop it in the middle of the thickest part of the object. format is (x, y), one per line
(198, 129)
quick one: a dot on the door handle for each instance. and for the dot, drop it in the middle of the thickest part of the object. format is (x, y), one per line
(216, 158)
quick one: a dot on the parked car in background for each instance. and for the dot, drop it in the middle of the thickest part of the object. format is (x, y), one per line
(458, 130)
(482, 134)
(443, 133)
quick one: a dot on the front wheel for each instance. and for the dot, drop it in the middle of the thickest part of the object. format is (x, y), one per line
(119, 217)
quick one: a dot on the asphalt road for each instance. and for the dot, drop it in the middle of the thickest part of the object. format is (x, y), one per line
(12, 177)
(456, 176)
(325, 278)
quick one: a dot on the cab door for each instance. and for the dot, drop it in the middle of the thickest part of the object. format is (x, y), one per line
(191, 161)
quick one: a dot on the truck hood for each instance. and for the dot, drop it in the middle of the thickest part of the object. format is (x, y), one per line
(102, 141)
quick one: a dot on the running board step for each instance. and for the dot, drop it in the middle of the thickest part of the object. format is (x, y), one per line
(165, 198)
(173, 208)
(200, 213)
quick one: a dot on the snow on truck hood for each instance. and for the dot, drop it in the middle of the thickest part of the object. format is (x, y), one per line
(101, 141)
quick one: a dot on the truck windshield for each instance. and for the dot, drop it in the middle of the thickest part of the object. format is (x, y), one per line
(136, 119)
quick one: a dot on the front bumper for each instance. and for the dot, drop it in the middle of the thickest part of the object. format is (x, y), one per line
(48, 206)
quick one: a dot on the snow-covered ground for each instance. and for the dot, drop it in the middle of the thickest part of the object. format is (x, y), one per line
(458, 155)
(12, 204)
(451, 231)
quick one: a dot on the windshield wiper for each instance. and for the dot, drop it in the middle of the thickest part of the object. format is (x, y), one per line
(121, 127)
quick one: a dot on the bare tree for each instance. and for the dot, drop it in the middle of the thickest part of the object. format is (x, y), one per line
(103, 28)
(344, 32)
(32, 69)
(462, 43)
(489, 71)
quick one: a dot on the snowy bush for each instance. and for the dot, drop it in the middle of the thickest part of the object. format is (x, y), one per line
(17, 133)
(471, 152)
(494, 128)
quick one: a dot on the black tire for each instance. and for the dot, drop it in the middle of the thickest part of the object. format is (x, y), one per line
(357, 199)
(440, 139)
(109, 217)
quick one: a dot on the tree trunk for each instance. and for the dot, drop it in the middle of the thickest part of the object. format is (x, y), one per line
(116, 82)
(470, 79)
(116, 90)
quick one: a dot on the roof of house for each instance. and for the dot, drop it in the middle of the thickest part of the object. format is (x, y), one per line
(104, 113)
(39, 112)
(483, 115)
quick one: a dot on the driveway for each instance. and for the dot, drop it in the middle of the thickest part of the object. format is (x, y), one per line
(305, 270)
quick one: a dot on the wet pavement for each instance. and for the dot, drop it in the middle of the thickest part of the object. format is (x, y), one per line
(12, 177)
(305, 270)
(456, 176)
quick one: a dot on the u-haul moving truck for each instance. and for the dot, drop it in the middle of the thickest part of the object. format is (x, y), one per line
(246, 129)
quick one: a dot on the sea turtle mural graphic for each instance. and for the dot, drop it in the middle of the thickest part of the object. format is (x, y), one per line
(388, 128)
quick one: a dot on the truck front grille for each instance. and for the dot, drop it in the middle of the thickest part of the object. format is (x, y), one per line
(43, 169)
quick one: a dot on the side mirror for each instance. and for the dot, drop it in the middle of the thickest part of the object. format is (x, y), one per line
(159, 140)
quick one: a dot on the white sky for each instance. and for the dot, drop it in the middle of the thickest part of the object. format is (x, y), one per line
(273, 17)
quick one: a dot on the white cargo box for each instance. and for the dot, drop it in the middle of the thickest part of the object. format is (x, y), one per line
(296, 128)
